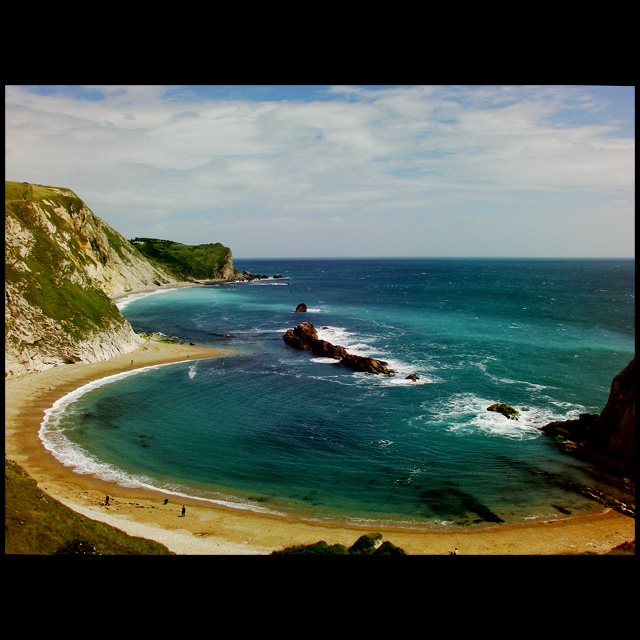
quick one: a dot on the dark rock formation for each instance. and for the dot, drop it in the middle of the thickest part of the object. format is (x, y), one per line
(412, 376)
(577, 431)
(305, 337)
(505, 410)
(616, 430)
(301, 308)
(608, 437)
(365, 364)
(247, 275)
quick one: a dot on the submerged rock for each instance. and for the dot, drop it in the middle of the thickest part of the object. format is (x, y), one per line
(505, 410)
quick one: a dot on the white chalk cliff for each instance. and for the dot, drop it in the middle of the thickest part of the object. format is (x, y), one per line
(62, 262)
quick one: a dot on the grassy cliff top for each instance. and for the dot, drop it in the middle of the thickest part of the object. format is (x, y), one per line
(203, 261)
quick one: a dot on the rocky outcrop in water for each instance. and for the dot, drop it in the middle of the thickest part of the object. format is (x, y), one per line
(305, 337)
(248, 276)
(505, 410)
(366, 365)
(608, 437)
(301, 308)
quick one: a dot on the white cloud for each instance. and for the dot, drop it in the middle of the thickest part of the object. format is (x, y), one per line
(141, 154)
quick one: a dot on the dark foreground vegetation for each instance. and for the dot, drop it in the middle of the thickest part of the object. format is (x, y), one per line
(36, 524)
(369, 544)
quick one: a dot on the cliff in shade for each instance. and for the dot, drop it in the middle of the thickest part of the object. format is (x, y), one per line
(62, 263)
(607, 437)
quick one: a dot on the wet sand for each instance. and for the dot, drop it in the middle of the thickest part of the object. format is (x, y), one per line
(208, 529)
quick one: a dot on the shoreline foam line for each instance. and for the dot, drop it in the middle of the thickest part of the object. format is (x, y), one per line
(82, 463)
(212, 529)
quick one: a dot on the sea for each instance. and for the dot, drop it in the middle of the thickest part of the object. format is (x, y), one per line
(273, 429)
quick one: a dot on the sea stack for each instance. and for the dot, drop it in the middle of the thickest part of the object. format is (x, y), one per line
(305, 337)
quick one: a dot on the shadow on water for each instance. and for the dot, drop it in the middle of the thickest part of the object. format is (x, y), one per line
(448, 502)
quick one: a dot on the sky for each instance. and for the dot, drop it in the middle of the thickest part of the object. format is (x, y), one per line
(276, 171)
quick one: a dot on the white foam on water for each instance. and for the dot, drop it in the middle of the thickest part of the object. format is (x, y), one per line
(324, 360)
(125, 302)
(347, 339)
(467, 413)
(72, 455)
(355, 345)
(399, 380)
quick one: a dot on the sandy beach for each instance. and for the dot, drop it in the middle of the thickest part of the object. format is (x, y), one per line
(208, 529)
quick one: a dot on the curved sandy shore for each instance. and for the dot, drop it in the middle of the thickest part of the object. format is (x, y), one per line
(209, 529)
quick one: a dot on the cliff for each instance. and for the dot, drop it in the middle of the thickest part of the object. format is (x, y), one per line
(608, 437)
(617, 425)
(62, 263)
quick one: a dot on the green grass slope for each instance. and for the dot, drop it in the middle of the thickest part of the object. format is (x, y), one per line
(37, 524)
(44, 275)
(199, 262)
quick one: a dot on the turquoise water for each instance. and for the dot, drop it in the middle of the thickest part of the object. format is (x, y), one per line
(271, 428)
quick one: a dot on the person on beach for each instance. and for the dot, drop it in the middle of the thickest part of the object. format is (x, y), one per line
(183, 511)
(106, 501)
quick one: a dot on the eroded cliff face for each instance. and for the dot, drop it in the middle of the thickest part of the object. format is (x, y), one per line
(616, 432)
(608, 437)
(62, 263)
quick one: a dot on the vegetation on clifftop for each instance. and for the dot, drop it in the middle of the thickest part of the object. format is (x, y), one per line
(187, 262)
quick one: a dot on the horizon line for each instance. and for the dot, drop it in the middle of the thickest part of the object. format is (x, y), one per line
(417, 257)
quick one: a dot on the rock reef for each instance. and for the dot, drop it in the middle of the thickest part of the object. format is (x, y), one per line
(305, 337)
(248, 276)
(505, 410)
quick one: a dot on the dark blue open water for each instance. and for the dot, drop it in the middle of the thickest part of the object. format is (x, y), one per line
(271, 428)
